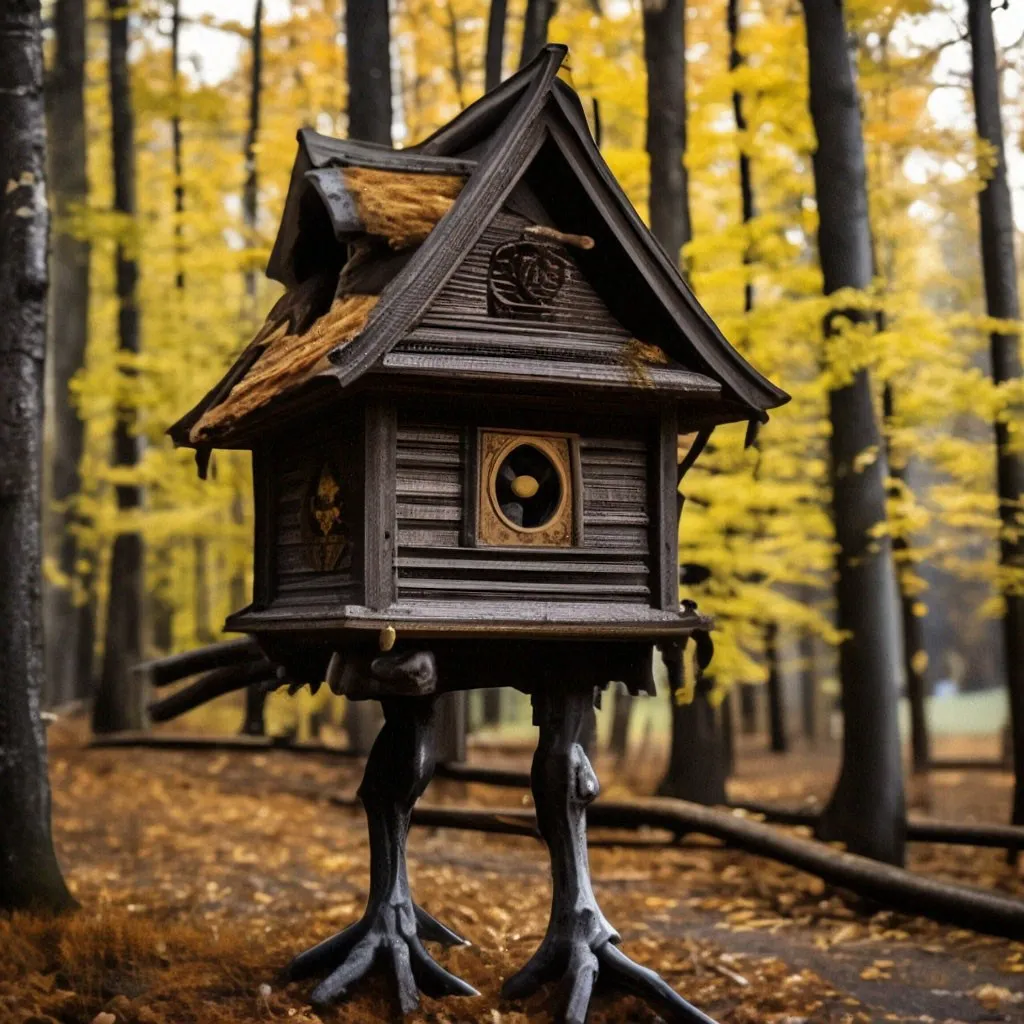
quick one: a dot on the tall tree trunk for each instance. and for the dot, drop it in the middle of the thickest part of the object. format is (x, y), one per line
(29, 873)
(776, 700)
(251, 191)
(491, 706)
(622, 708)
(776, 709)
(732, 17)
(536, 19)
(495, 44)
(68, 627)
(697, 763)
(808, 687)
(914, 657)
(867, 809)
(1002, 300)
(119, 697)
(456, 64)
(748, 709)
(256, 698)
(176, 147)
(696, 768)
(368, 32)
(665, 56)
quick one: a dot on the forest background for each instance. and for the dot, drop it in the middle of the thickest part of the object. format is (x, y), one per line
(208, 136)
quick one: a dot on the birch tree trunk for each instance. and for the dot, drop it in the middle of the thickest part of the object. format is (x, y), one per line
(68, 628)
(1002, 300)
(119, 698)
(29, 873)
(867, 808)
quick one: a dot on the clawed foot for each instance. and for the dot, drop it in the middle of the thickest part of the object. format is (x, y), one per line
(578, 962)
(393, 932)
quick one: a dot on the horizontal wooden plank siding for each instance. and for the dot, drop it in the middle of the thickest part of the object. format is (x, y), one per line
(611, 564)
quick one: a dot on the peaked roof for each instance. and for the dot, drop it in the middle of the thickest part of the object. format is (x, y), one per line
(490, 146)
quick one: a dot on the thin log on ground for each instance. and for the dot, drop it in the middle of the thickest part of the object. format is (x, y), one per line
(156, 741)
(877, 882)
(210, 686)
(969, 765)
(921, 831)
(163, 671)
(488, 776)
(953, 832)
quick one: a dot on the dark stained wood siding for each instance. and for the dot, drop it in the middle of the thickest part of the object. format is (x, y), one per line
(612, 564)
(465, 295)
(293, 463)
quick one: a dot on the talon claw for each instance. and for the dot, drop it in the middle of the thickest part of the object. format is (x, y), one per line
(392, 935)
(434, 931)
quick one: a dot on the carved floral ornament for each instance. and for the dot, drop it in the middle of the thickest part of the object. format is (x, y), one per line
(323, 524)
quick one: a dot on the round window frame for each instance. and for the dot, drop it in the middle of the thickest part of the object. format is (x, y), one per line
(553, 456)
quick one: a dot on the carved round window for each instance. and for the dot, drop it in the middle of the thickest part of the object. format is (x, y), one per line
(528, 486)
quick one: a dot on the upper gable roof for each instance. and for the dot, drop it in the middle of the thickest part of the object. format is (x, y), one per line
(532, 120)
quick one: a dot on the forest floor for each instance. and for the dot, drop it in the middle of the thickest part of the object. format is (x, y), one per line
(200, 874)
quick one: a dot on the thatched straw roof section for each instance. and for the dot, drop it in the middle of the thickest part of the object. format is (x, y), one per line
(287, 359)
(330, 309)
(403, 208)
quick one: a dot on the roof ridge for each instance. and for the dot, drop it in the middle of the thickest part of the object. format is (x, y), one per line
(502, 165)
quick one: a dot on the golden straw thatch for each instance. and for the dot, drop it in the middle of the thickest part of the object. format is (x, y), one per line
(288, 359)
(403, 208)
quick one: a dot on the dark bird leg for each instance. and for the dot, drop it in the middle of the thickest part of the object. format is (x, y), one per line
(392, 928)
(580, 943)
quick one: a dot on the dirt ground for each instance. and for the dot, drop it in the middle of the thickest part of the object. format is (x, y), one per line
(200, 875)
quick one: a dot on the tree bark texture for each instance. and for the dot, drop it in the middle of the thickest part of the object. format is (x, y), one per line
(458, 78)
(867, 808)
(29, 874)
(808, 686)
(622, 707)
(495, 51)
(732, 17)
(68, 628)
(913, 632)
(176, 146)
(776, 701)
(1003, 301)
(665, 56)
(536, 19)
(696, 768)
(368, 32)
(119, 699)
(251, 190)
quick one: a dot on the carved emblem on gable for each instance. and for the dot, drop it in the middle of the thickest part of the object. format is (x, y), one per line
(524, 279)
(323, 521)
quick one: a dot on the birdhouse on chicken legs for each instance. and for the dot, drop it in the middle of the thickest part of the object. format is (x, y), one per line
(463, 414)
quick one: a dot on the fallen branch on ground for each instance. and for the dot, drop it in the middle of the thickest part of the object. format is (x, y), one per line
(953, 832)
(182, 741)
(213, 684)
(891, 887)
(163, 671)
